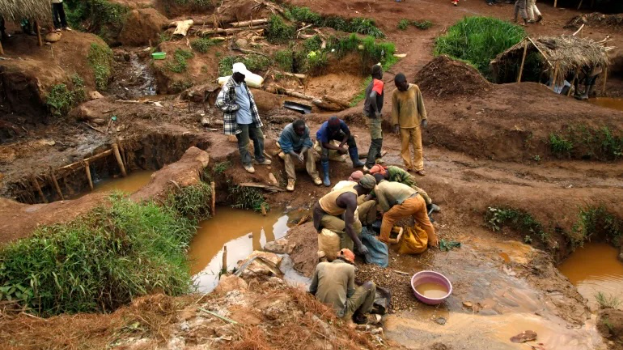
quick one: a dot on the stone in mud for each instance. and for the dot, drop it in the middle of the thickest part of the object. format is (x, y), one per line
(229, 283)
(95, 95)
(264, 264)
(83, 112)
(280, 246)
(524, 337)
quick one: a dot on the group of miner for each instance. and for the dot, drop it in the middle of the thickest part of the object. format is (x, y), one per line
(376, 190)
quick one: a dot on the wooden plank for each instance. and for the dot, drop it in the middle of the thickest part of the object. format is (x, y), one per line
(80, 164)
(250, 23)
(115, 149)
(523, 60)
(38, 188)
(87, 168)
(1, 49)
(56, 186)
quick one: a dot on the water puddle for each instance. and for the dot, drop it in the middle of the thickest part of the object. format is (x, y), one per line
(133, 80)
(594, 268)
(608, 102)
(129, 184)
(240, 231)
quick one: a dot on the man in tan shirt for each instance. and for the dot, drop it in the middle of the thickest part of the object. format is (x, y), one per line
(408, 114)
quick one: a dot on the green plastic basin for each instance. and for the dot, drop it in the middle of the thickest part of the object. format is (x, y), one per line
(159, 55)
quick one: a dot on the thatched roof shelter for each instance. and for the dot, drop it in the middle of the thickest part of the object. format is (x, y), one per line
(558, 56)
(16, 10)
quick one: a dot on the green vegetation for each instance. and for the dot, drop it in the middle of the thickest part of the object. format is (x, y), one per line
(316, 62)
(96, 16)
(191, 202)
(179, 65)
(371, 52)
(423, 25)
(247, 198)
(559, 145)
(254, 63)
(596, 220)
(100, 59)
(403, 24)
(362, 26)
(62, 99)
(284, 60)
(279, 31)
(581, 141)
(181, 85)
(221, 167)
(607, 301)
(518, 220)
(202, 44)
(104, 259)
(313, 44)
(479, 40)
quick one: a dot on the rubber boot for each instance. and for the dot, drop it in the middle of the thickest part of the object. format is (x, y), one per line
(354, 156)
(325, 173)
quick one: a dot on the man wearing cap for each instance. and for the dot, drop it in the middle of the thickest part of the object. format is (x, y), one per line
(241, 117)
(336, 129)
(333, 284)
(336, 212)
(398, 201)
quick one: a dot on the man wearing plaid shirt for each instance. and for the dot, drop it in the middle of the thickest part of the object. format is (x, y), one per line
(241, 117)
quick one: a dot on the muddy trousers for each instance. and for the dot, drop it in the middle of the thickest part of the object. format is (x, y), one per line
(533, 11)
(310, 164)
(250, 132)
(376, 141)
(415, 207)
(412, 137)
(361, 301)
(520, 8)
(58, 16)
(338, 137)
(365, 215)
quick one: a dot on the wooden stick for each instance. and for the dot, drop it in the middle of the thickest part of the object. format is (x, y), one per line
(263, 207)
(38, 188)
(79, 164)
(555, 75)
(266, 187)
(224, 259)
(523, 60)
(603, 88)
(575, 76)
(542, 53)
(280, 90)
(579, 30)
(218, 316)
(580, 5)
(56, 186)
(555, 3)
(213, 185)
(38, 29)
(115, 149)
(228, 30)
(87, 168)
(1, 49)
(336, 101)
(250, 23)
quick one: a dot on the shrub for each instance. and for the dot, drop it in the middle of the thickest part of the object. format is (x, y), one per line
(279, 31)
(192, 201)
(313, 44)
(254, 63)
(316, 62)
(96, 16)
(479, 40)
(371, 52)
(247, 198)
(559, 145)
(62, 99)
(516, 219)
(100, 261)
(364, 26)
(581, 141)
(607, 301)
(202, 44)
(596, 220)
(100, 59)
(284, 59)
(423, 25)
(304, 14)
(403, 24)
(179, 64)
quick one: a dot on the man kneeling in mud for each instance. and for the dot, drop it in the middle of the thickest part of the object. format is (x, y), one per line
(334, 285)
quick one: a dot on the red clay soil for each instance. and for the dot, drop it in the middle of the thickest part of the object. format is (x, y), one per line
(444, 77)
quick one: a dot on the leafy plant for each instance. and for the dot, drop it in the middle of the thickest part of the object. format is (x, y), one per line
(364, 26)
(61, 99)
(279, 31)
(479, 40)
(192, 201)
(316, 62)
(516, 219)
(284, 59)
(423, 25)
(202, 44)
(221, 167)
(596, 220)
(179, 64)
(313, 44)
(102, 17)
(247, 198)
(100, 59)
(559, 145)
(607, 301)
(403, 24)
(371, 52)
(253, 62)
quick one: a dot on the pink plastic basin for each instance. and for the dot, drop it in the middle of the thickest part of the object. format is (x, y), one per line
(430, 277)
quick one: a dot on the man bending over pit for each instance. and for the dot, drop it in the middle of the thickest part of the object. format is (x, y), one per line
(336, 212)
(296, 144)
(241, 117)
(333, 284)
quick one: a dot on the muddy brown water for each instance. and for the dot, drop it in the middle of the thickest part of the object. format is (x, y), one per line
(241, 231)
(594, 268)
(129, 184)
(432, 290)
(608, 102)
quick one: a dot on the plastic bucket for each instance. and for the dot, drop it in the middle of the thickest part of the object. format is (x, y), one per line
(159, 55)
(430, 277)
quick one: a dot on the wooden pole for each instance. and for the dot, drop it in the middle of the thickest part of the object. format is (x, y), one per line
(224, 260)
(603, 88)
(38, 188)
(1, 49)
(38, 29)
(555, 3)
(56, 186)
(523, 60)
(575, 76)
(213, 185)
(115, 149)
(87, 168)
(580, 5)
(555, 75)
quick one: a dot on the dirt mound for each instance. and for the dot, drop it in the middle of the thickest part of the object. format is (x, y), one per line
(595, 19)
(142, 26)
(445, 77)
(304, 256)
(610, 325)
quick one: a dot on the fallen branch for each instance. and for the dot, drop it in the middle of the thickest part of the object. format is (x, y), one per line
(206, 32)
(250, 23)
(336, 101)
(262, 186)
(327, 106)
(218, 316)
(248, 52)
(284, 91)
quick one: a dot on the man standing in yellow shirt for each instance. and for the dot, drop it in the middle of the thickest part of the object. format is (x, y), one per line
(408, 114)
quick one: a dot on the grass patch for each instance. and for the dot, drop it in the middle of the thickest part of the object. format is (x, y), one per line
(479, 40)
(284, 60)
(559, 145)
(247, 198)
(100, 59)
(607, 301)
(179, 64)
(254, 63)
(371, 52)
(104, 259)
(279, 31)
(517, 220)
(422, 25)
(101, 17)
(202, 44)
(596, 220)
(62, 98)
(313, 44)
(221, 167)
(181, 85)
(584, 142)
(363, 26)
(191, 202)
(403, 24)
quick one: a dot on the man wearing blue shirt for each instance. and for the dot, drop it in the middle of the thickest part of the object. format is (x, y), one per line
(296, 144)
(336, 129)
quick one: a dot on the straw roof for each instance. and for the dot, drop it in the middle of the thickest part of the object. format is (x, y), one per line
(568, 53)
(16, 10)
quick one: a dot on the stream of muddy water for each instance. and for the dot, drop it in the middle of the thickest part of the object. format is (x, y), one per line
(129, 184)
(608, 102)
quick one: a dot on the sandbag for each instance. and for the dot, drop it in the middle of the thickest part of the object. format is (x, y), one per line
(329, 243)
(252, 80)
(414, 240)
(378, 251)
(333, 155)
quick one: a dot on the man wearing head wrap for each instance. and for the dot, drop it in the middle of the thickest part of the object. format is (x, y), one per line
(335, 211)
(336, 129)
(398, 201)
(333, 284)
